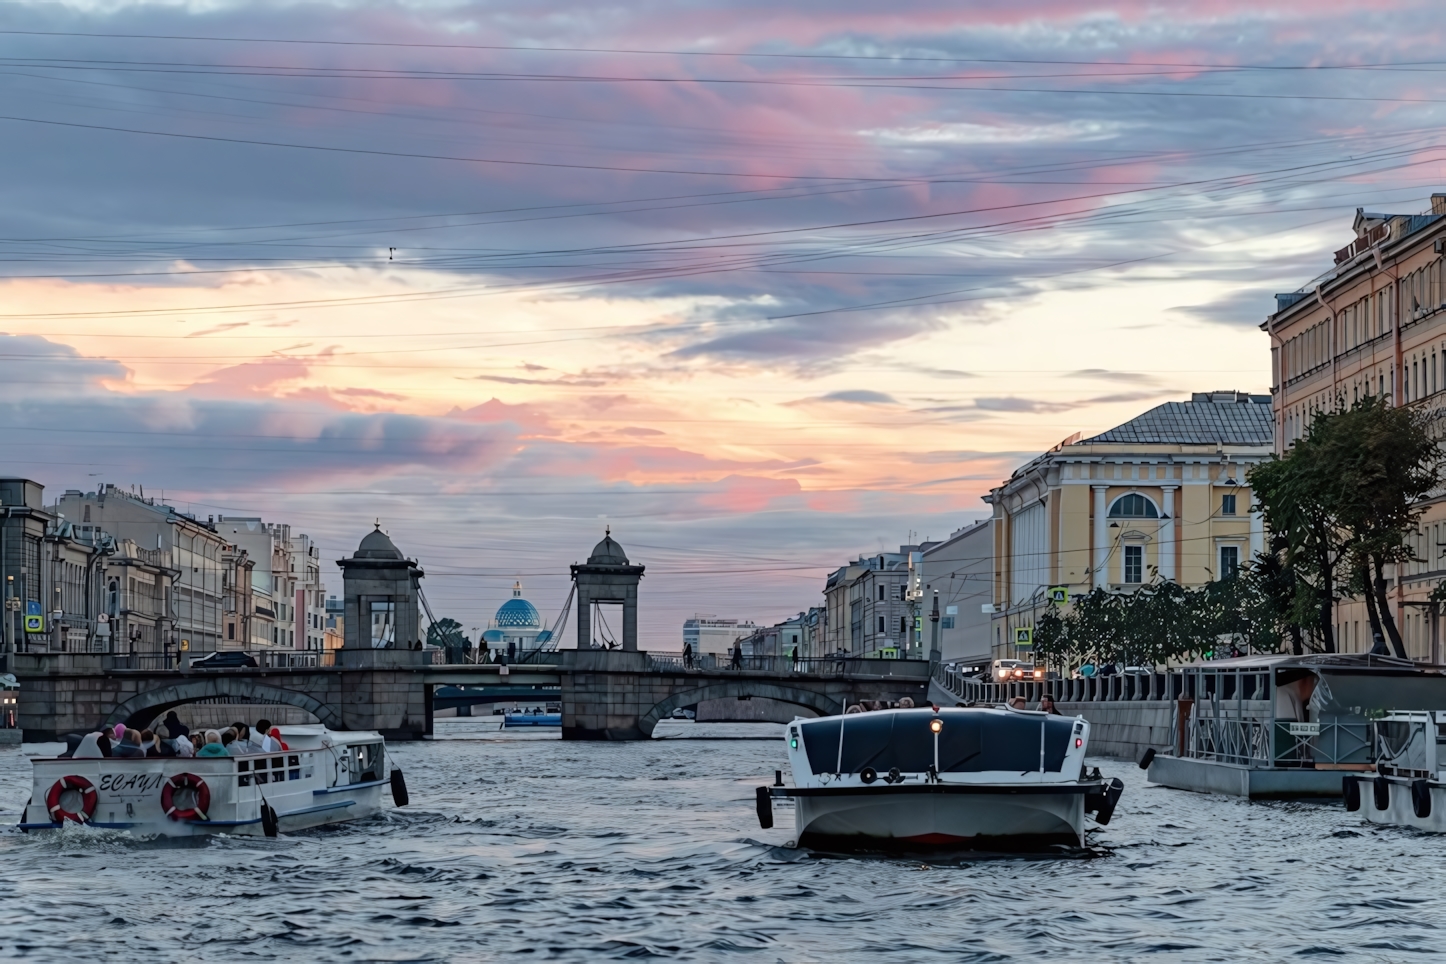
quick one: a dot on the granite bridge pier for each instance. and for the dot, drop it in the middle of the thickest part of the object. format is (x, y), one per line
(381, 679)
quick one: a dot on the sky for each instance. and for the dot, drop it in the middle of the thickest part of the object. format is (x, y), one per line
(761, 287)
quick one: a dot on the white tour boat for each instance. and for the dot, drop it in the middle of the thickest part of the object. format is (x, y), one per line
(323, 776)
(1406, 789)
(980, 778)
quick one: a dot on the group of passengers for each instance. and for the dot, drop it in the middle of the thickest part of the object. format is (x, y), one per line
(172, 738)
(871, 706)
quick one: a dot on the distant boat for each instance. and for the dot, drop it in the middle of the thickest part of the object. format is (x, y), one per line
(536, 716)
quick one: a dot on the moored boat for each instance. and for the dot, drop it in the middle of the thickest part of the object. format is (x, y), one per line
(967, 778)
(1408, 788)
(323, 777)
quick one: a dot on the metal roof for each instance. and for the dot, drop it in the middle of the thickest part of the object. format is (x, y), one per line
(1205, 420)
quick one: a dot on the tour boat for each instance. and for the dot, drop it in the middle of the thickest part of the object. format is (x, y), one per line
(1406, 789)
(537, 716)
(970, 778)
(323, 776)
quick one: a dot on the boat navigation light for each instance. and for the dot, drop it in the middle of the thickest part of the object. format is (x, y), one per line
(793, 743)
(936, 724)
(1078, 743)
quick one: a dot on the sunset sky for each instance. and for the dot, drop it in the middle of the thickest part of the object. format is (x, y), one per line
(762, 286)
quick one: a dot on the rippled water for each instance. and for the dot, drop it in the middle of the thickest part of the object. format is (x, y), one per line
(528, 847)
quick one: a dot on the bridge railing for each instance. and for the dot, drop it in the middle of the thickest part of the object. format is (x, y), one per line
(265, 659)
(778, 665)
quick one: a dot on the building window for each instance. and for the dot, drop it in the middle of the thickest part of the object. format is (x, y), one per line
(1229, 562)
(1133, 506)
(230, 630)
(1134, 563)
(903, 624)
(946, 622)
(1227, 505)
(881, 624)
(881, 594)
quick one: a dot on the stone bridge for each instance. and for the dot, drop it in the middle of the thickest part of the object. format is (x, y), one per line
(606, 695)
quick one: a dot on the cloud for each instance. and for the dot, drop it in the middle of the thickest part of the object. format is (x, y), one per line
(1106, 375)
(860, 396)
(1246, 307)
(1015, 404)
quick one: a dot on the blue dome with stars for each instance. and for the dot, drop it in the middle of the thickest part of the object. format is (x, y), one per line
(517, 613)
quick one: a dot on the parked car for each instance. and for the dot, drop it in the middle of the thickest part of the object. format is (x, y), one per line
(224, 659)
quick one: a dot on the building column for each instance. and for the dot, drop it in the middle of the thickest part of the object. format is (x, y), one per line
(1257, 534)
(630, 620)
(584, 619)
(1165, 554)
(1099, 577)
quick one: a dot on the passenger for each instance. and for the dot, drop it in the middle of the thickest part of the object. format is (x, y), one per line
(182, 747)
(148, 743)
(130, 745)
(228, 739)
(263, 737)
(856, 708)
(104, 743)
(174, 724)
(244, 743)
(164, 746)
(1017, 703)
(214, 746)
(89, 748)
(117, 734)
(197, 740)
(1046, 705)
(275, 735)
(907, 703)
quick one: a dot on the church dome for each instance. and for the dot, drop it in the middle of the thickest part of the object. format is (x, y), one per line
(377, 545)
(607, 553)
(518, 614)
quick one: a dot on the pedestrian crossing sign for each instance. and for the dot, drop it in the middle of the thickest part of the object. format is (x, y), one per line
(35, 624)
(1059, 594)
(1024, 636)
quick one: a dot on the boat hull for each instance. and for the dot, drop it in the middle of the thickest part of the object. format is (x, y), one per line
(944, 817)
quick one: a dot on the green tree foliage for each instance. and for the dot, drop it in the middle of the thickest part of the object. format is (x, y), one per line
(447, 634)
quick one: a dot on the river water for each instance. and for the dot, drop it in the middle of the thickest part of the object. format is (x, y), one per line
(525, 847)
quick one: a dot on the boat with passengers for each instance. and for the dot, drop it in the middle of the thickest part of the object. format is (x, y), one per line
(323, 776)
(991, 778)
(1408, 788)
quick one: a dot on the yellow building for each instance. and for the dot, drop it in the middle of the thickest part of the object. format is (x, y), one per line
(1372, 325)
(1162, 496)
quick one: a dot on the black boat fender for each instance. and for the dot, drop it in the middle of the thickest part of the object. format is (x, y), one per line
(1421, 798)
(1381, 791)
(765, 808)
(1351, 790)
(399, 789)
(268, 819)
(1147, 758)
(1102, 805)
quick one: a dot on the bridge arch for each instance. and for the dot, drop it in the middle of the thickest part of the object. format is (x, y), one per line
(820, 703)
(142, 708)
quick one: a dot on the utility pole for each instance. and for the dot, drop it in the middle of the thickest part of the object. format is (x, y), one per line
(935, 655)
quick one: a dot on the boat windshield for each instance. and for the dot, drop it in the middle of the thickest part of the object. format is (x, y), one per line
(970, 742)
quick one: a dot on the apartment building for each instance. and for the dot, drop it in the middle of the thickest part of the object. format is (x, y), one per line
(1374, 323)
(867, 606)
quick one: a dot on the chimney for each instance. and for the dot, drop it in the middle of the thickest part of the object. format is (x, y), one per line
(1438, 204)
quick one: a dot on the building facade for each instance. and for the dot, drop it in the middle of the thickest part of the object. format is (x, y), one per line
(189, 546)
(961, 570)
(1373, 324)
(1162, 496)
(867, 606)
(706, 633)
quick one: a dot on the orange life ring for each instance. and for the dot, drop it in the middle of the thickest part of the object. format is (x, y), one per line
(87, 799)
(182, 781)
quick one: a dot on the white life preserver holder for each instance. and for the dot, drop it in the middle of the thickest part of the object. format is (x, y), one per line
(183, 781)
(87, 799)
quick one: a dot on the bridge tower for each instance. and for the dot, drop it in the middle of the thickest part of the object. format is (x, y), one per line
(607, 577)
(381, 587)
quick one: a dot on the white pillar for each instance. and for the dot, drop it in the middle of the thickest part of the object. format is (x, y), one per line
(1166, 559)
(1257, 535)
(1100, 577)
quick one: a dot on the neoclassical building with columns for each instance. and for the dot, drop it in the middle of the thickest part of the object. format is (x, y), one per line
(1163, 496)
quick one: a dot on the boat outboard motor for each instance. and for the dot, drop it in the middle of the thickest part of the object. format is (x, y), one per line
(1421, 798)
(399, 789)
(765, 808)
(1351, 790)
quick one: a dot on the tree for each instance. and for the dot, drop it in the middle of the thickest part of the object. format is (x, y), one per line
(447, 634)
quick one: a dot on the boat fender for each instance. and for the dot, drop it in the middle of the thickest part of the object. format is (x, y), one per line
(1351, 790)
(268, 819)
(1421, 798)
(87, 800)
(765, 808)
(895, 776)
(1112, 797)
(399, 789)
(182, 781)
(1381, 791)
(1147, 758)
(868, 774)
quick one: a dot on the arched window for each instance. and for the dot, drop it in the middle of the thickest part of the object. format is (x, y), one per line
(1133, 506)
